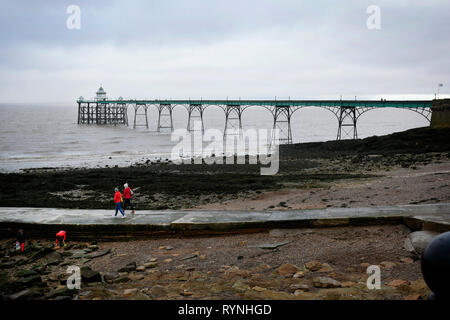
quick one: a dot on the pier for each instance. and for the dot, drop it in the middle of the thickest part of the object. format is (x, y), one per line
(104, 111)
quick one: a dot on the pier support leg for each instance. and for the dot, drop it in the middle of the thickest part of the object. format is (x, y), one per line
(233, 120)
(136, 110)
(195, 113)
(282, 122)
(347, 119)
(165, 120)
(79, 112)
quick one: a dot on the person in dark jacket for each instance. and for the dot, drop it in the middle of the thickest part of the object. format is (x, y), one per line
(21, 240)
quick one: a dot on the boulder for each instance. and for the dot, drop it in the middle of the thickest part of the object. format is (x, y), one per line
(398, 283)
(129, 267)
(150, 265)
(122, 279)
(109, 277)
(127, 293)
(157, 291)
(287, 270)
(31, 280)
(299, 274)
(53, 258)
(297, 286)
(387, 265)
(40, 253)
(61, 291)
(88, 275)
(326, 282)
(417, 241)
(26, 273)
(27, 294)
(313, 265)
(99, 254)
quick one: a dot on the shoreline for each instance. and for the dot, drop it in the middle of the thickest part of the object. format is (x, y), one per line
(307, 172)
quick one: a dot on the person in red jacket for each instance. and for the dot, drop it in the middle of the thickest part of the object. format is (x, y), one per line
(127, 193)
(61, 236)
(118, 202)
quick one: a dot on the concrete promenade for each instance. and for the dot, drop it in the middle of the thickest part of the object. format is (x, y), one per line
(101, 224)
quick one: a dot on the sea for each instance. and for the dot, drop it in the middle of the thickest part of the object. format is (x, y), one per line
(40, 136)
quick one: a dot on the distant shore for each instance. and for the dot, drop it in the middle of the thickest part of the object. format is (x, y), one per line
(304, 169)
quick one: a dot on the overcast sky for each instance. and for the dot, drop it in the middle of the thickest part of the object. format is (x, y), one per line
(223, 48)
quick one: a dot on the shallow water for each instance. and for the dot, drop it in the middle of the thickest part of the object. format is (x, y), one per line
(41, 136)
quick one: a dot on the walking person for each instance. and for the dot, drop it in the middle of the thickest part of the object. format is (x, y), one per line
(118, 202)
(20, 244)
(61, 237)
(127, 193)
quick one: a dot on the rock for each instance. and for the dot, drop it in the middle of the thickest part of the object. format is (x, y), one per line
(157, 291)
(99, 254)
(272, 246)
(32, 293)
(365, 265)
(259, 289)
(299, 274)
(85, 293)
(261, 268)
(150, 265)
(129, 267)
(121, 279)
(186, 293)
(26, 273)
(299, 292)
(40, 254)
(61, 298)
(140, 269)
(53, 258)
(168, 248)
(297, 286)
(140, 296)
(61, 291)
(413, 297)
(387, 265)
(78, 253)
(240, 286)
(109, 277)
(326, 282)
(7, 265)
(188, 257)
(325, 268)
(129, 292)
(31, 280)
(93, 247)
(167, 260)
(397, 283)
(153, 260)
(348, 284)
(417, 241)
(313, 265)
(88, 275)
(287, 270)
(406, 260)
(236, 272)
